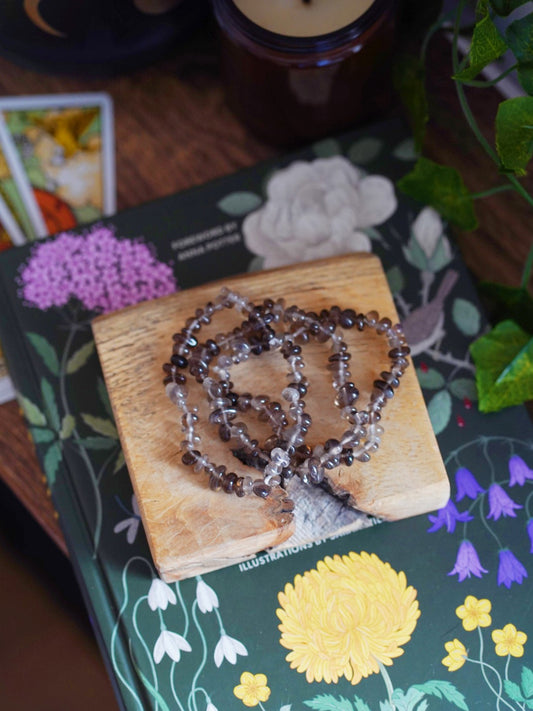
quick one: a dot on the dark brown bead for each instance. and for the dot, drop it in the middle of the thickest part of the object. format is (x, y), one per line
(179, 361)
(224, 432)
(190, 457)
(399, 352)
(347, 318)
(330, 443)
(215, 482)
(228, 482)
(385, 388)
(261, 489)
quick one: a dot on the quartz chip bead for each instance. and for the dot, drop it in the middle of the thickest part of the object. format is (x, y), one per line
(177, 394)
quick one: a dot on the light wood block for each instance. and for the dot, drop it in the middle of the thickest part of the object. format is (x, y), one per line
(191, 529)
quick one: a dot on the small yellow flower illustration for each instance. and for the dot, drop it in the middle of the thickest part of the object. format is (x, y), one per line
(346, 617)
(252, 689)
(474, 613)
(456, 655)
(509, 640)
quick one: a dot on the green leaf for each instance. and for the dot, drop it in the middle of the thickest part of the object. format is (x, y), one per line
(525, 76)
(96, 443)
(365, 150)
(505, 7)
(67, 426)
(509, 302)
(327, 702)
(410, 83)
(430, 379)
(440, 411)
(239, 203)
(441, 187)
(51, 461)
(104, 397)
(80, 357)
(504, 367)
(443, 690)
(119, 462)
(513, 690)
(463, 387)
(466, 317)
(395, 280)
(50, 404)
(31, 412)
(519, 36)
(526, 680)
(46, 351)
(42, 435)
(327, 148)
(514, 134)
(102, 426)
(487, 45)
(360, 704)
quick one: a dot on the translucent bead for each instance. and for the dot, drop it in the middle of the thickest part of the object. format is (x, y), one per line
(371, 318)
(279, 456)
(290, 394)
(176, 393)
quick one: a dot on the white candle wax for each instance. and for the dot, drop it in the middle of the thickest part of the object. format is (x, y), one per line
(296, 18)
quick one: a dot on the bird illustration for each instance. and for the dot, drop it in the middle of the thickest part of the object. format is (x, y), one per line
(425, 325)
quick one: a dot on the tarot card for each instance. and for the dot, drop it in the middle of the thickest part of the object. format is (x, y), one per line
(10, 232)
(64, 145)
(14, 216)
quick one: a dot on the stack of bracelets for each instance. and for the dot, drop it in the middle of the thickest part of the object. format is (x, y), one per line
(271, 326)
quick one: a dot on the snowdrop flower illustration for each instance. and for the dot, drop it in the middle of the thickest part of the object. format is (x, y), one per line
(318, 209)
(206, 597)
(500, 503)
(467, 562)
(160, 594)
(170, 643)
(211, 707)
(130, 524)
(510, 569)
(228, 648)
(428, 248)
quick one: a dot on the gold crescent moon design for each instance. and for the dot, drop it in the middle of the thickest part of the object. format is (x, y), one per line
(31, 8)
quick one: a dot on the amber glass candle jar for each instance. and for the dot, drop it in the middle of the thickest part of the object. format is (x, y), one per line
(291, 85)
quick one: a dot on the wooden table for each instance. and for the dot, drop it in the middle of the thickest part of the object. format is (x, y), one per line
(174, 130)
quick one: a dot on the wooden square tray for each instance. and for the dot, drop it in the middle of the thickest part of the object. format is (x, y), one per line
(191, 529)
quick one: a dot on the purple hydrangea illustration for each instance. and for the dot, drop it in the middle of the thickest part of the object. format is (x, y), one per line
(448, 516)
(500, 503)
(530, 533)
(510, 569)
(103, 272)
(466, 484)
(519, 471)
(467, 562)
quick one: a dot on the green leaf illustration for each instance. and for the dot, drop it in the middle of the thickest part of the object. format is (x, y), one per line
(360, 704)
(509, 302)
(51, 462)
(41, 435)
(80, 357)
(441, 256)
(513, 691)
(430, 379)
(119, 462)
(514, 133)
(464, 387)
(67, 426)
(405, 150)
(31, 412)
(410, 83)
(443, 690)
(239, 203)
(526, 681)
(441, 187)
(395, 279)
(102, 426)
(104, 397)
(96, 443)
(519, 36)
(487, 45)
(327, 702)
(327, 148)
(440, 411)
(365, 150)
(505, 7)
(415, 255)
(46, 351)
(466, 317)
(504, 367)
(50, 404)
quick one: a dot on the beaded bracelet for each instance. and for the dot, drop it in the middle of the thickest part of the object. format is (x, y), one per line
(285, 453)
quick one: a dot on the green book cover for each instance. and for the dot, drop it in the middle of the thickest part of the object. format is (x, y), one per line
(433, 612)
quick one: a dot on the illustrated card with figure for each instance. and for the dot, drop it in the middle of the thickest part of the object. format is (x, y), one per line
(60, 151)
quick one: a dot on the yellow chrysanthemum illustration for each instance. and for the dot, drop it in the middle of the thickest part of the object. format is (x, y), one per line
(474, 613)
(509, 640)
(456, 655)
(252, 689)
(346, 617)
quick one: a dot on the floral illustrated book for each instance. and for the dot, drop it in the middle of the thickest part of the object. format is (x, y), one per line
(432, 612)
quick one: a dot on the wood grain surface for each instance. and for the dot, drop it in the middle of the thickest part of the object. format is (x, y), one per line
(192, 529)
(174, 130)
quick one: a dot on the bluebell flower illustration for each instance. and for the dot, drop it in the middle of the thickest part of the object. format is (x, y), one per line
(448, 516)
(500, 503)
(467, 562)
(519, 471)
(510, 569)
(530, 533)
(466, 484)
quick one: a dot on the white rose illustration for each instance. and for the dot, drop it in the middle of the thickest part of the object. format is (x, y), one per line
(318, 209)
